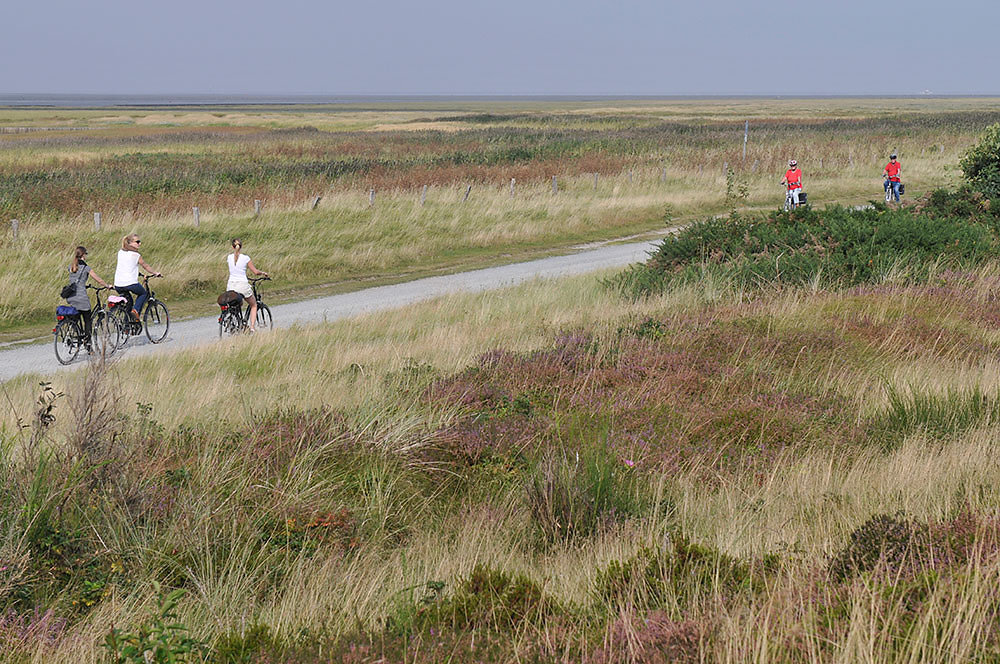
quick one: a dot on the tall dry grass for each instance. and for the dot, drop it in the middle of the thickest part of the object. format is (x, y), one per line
(372, 370)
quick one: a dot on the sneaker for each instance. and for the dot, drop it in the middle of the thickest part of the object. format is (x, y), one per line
(135, 315)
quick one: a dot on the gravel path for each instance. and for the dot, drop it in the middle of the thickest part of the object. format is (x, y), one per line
(37, 357)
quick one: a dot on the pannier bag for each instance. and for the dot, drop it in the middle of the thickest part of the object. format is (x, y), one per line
(63, 310)
(901, 188)
(229, 298)
(802, 198)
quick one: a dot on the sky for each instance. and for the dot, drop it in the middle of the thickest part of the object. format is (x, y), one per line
(515, 47)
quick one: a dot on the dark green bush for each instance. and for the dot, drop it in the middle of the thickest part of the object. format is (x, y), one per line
(836, 246)
(889, 539)
(981, 164)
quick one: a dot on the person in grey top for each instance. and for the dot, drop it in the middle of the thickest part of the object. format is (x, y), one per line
(79, 272)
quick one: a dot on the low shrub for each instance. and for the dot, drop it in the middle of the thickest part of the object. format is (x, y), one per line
(836, 246)
(678, 575)
(488, 599)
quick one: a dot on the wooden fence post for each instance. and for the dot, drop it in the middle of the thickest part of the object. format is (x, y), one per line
(512, 181)
(555, 185)
(371, 197)
(630, 177)
(97, 221)
(257, 204)
(663, 175)
(423, 195)
(725, 167)
(197, 216)
(316, 202)
(595, 181)
(14, 223)
(468, 190)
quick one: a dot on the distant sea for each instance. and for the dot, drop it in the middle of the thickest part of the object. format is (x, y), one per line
(113, 100)
(109, 100)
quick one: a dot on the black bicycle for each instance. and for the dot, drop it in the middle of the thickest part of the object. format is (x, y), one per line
(155, 317)
(233, 318)
(70, 334)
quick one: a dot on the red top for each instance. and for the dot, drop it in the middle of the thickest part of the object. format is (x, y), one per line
(892, 170)
(793, 176)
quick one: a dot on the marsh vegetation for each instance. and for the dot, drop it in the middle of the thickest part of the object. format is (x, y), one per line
(774, 441)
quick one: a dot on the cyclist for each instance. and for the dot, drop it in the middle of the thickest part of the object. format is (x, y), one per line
(127, 273)
(890, 175)
(793, 180)
(239, 263)
(79, 272)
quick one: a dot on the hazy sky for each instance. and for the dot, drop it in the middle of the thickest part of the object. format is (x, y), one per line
(586, 47)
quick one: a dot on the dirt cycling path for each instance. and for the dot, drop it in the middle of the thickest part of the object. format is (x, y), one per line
(39, 358)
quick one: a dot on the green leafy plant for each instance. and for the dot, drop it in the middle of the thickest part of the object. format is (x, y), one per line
(161, 639)
(981, 164)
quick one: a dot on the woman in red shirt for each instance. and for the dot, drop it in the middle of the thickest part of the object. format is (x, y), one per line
(793, 180)
(891, 175)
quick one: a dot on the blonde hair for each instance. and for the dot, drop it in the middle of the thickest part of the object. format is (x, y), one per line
(126, 239)
(80, 252)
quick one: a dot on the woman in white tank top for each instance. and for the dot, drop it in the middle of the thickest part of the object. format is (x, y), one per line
(127, 273)
(239, 263)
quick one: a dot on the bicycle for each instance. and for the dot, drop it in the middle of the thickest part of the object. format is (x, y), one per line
(233, 318)
(790, 203)
(70, 336)
(155, 317)
(887, 185)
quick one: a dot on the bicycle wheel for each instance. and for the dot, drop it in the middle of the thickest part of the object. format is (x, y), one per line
(107, 335)
(67, 340)
(157, 321)
(264, 320)
(121, 321)
(229, 322)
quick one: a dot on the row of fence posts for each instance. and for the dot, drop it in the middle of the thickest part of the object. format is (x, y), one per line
(258, 205)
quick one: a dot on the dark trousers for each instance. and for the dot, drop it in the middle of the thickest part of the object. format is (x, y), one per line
(138, 291)
(88, 324)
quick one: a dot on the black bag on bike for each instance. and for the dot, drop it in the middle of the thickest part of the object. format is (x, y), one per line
(901, 187)
(802, 198)
(229, 298)
(68, 291)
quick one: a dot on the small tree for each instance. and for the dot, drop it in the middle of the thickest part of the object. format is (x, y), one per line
(981, 164)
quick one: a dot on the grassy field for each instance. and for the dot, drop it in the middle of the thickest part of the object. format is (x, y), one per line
(551, 472)
(144, 171)
(787, 466)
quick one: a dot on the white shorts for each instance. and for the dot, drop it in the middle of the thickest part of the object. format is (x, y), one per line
(241, 287)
